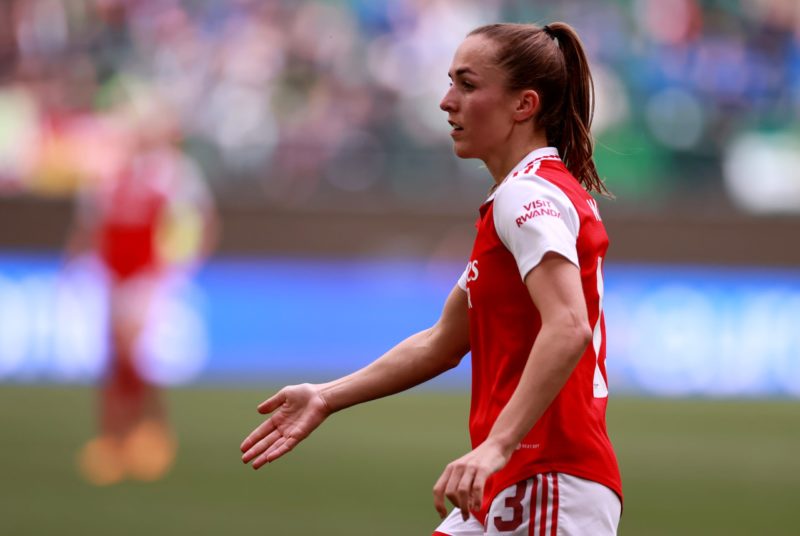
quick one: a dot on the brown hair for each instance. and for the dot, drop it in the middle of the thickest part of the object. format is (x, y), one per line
(551, 60)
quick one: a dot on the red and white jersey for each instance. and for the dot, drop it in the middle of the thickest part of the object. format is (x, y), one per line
(129, 210)
(539, 208)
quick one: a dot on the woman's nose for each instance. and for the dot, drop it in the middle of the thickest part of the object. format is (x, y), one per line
(447, 103)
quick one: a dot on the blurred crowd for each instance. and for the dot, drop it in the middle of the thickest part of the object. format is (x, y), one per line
(309, 103)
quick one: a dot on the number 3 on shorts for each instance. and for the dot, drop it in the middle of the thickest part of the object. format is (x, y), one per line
(511, 504)
(511, 512)
(553, 504)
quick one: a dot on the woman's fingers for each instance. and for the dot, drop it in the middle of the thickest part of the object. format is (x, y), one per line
(463, 482)
(260, 446)
(295, 414)
(451, 490)
(272, 403)
(478, 483)
(256, 435)
(456, 483)
(463, 491)
(276, 451)
(438, 492)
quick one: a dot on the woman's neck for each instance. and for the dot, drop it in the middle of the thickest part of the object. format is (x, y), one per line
(501, 164)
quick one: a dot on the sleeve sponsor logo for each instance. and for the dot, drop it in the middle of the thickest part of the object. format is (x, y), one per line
(536, 208)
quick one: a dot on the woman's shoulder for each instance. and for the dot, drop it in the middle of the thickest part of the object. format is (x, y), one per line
(527, 187)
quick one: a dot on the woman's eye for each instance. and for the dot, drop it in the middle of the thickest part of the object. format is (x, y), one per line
(466, 85)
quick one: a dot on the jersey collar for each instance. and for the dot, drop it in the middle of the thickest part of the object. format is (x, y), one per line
(529, 161)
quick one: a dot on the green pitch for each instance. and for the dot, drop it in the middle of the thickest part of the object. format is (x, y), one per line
(689, 467)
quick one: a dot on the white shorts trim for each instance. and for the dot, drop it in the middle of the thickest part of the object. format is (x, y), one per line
(564, 505)
(453, 525)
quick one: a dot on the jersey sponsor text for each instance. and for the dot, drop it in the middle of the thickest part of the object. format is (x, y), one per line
(538, 207)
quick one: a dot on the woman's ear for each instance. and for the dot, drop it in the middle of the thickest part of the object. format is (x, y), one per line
(527, 105)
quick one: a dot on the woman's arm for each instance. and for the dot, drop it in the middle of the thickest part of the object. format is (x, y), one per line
(417, 359)
(299, 409)
(555, 287)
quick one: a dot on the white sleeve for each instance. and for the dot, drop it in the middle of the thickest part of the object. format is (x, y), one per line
(532, 217)
(462, 281)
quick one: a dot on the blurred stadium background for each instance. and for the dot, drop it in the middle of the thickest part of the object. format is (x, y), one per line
(345, 221)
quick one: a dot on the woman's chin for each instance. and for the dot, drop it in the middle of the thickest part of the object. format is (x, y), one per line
(463, 151)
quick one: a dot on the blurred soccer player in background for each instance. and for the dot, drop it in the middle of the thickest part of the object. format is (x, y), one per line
(528, 306)
(149, 220)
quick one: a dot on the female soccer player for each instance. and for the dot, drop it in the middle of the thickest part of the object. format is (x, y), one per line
(150, 220)
(528, 306)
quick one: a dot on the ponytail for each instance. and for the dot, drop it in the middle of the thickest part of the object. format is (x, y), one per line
(572, 135)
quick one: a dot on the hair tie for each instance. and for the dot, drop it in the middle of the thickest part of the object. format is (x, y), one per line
(546, 29)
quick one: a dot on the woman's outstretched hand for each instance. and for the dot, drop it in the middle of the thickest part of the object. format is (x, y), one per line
(297, 410)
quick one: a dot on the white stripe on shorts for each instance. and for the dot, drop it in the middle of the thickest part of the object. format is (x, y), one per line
(543, 520)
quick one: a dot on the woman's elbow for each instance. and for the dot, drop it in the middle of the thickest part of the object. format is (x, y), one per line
(454, 359)
(445, 348)
(576, 330)
(450, 357)
(582, 336)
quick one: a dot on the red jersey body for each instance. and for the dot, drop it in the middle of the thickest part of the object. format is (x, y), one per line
(131, 208)
(539, 208)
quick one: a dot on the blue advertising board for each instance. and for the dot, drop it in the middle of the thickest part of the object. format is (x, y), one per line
(671, 330)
